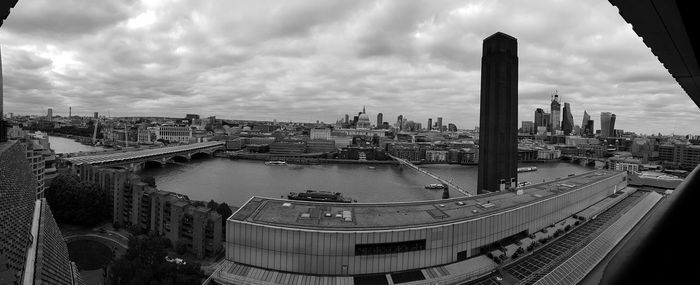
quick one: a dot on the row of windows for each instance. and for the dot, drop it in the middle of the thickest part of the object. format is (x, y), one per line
(389, 248)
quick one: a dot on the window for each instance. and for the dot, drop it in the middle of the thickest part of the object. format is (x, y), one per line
(462, 255)
(388, 248)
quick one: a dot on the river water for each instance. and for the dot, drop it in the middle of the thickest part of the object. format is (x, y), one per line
(66, 145)
(235, 181)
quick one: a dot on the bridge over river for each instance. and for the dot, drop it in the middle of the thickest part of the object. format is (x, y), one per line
(136, 159)
(438, 178)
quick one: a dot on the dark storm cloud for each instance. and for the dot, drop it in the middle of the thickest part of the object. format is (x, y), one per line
(320, 59)
(58, 19)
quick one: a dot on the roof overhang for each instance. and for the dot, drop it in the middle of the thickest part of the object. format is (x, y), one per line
(666, 28)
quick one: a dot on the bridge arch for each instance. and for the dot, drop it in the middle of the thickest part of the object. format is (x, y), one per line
(201, 153)
(179, 158)
(153, 164)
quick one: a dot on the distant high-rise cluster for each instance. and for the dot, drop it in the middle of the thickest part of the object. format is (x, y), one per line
(562, 123)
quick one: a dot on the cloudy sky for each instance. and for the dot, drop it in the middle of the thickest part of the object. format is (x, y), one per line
(311, 60)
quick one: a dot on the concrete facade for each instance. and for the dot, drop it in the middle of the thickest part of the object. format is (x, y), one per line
(164, 213)
(174, 133)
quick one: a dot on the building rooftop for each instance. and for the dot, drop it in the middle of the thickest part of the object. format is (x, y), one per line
(376, 216)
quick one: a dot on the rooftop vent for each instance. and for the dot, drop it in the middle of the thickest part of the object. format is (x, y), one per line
(488, 205)
(287, 204)
(347, 216)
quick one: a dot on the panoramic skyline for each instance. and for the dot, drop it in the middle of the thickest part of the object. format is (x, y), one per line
(319, 60)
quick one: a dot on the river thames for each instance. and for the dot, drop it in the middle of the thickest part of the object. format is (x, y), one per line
(66, 145)
(235, 181)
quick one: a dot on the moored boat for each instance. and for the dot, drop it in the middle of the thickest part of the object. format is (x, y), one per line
(526, 169)
(435, 186)
(275, 163)
(319, 196)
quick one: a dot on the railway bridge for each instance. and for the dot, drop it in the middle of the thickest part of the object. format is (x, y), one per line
(135, 160)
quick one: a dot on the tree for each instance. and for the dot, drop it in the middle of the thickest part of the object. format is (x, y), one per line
(225, 211)
(212, 205)
(181, 247)
(144, 263)
(150, 180)
(135, 230)
(75, 202)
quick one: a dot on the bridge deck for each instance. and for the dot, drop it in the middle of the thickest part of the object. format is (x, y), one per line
(140, 154)
(438, 178)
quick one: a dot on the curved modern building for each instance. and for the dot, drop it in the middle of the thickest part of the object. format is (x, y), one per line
(334, 239)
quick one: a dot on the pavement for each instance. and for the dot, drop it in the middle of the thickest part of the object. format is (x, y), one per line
(117, 240)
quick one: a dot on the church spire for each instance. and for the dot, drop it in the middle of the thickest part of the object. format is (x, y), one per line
(363, 109)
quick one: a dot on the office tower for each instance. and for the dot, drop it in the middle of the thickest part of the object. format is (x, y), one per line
(49, 115)
(95, 115)
(605, 118)
(584, 124)
(380, 120)
(439, 124)
(539, 118)
(347, 119)
(548, 120)
(191, 118)
(430, 124)
(498, 124)
(590, 128)
(70, 112)
(567, 123)
(555, 110)
(528, 127)
(611, 127)
(399, 122)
